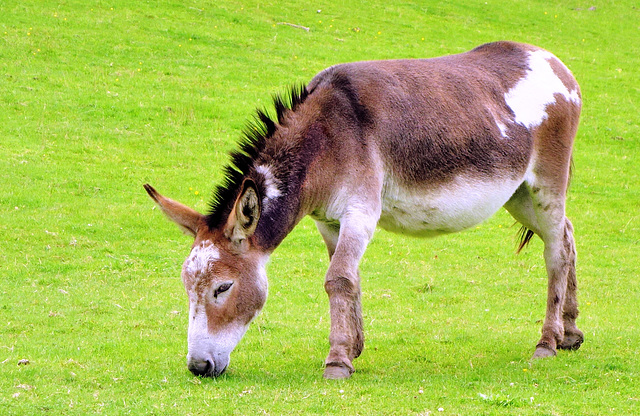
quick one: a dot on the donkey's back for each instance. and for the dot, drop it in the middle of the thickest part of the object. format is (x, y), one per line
(451, 139)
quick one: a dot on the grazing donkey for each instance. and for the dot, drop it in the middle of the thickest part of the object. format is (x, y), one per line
(422, 147)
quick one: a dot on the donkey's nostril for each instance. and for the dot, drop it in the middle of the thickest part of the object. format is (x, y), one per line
(218, 373)
(201, 367)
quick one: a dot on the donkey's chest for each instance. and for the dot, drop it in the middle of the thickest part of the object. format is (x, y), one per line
(456, 206)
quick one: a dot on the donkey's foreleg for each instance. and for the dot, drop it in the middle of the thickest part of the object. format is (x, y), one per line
(559, 255)
(346, 338)
(342, 284)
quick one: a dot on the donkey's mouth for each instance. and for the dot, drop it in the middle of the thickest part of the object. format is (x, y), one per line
(207, 368)
(218, 371)
(202, 368)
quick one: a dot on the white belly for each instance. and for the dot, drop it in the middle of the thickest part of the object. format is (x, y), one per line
(456, 206)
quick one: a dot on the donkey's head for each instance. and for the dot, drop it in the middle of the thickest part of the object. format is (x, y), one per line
(224, 277)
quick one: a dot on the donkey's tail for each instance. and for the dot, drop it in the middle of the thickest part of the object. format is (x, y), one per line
(524, 236)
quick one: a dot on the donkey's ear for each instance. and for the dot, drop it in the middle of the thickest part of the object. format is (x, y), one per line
(187, 219)
(244, 216)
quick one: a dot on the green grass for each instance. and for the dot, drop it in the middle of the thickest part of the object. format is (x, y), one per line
(97, 98)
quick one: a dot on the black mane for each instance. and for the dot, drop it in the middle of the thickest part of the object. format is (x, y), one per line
(255, 136)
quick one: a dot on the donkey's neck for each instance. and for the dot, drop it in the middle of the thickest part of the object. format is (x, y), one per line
(282, 170)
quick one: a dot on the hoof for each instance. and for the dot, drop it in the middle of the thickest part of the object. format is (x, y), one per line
(571, 342)
(543, 351)
(337, 372)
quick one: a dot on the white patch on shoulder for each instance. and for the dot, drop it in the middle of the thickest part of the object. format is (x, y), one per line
(347, 203)
(270, 182)
(200, 258)
(337, 205)
(529, 98)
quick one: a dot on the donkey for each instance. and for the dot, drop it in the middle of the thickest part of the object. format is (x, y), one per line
(422, 147)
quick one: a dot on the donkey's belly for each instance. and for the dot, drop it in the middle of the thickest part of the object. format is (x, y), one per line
(429, 212)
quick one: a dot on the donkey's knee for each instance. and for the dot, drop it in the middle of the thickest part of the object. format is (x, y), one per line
(341, 286)
(347, 335)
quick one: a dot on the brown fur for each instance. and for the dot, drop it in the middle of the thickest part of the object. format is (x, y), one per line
(423, 147)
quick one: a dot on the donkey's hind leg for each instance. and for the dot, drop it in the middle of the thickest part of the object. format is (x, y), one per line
(573, 337)
(562, 310)
(543, 214)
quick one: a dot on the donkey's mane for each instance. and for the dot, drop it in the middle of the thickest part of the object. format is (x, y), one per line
(255, 136)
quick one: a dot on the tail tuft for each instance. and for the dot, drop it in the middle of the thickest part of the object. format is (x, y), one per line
(524, 236)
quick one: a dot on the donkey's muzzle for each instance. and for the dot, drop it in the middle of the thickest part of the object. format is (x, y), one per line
(202, 368)
(205, 368)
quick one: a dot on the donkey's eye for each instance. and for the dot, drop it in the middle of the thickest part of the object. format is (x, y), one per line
(222, 288)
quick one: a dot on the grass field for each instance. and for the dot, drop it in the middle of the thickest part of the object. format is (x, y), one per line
(97, 98)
